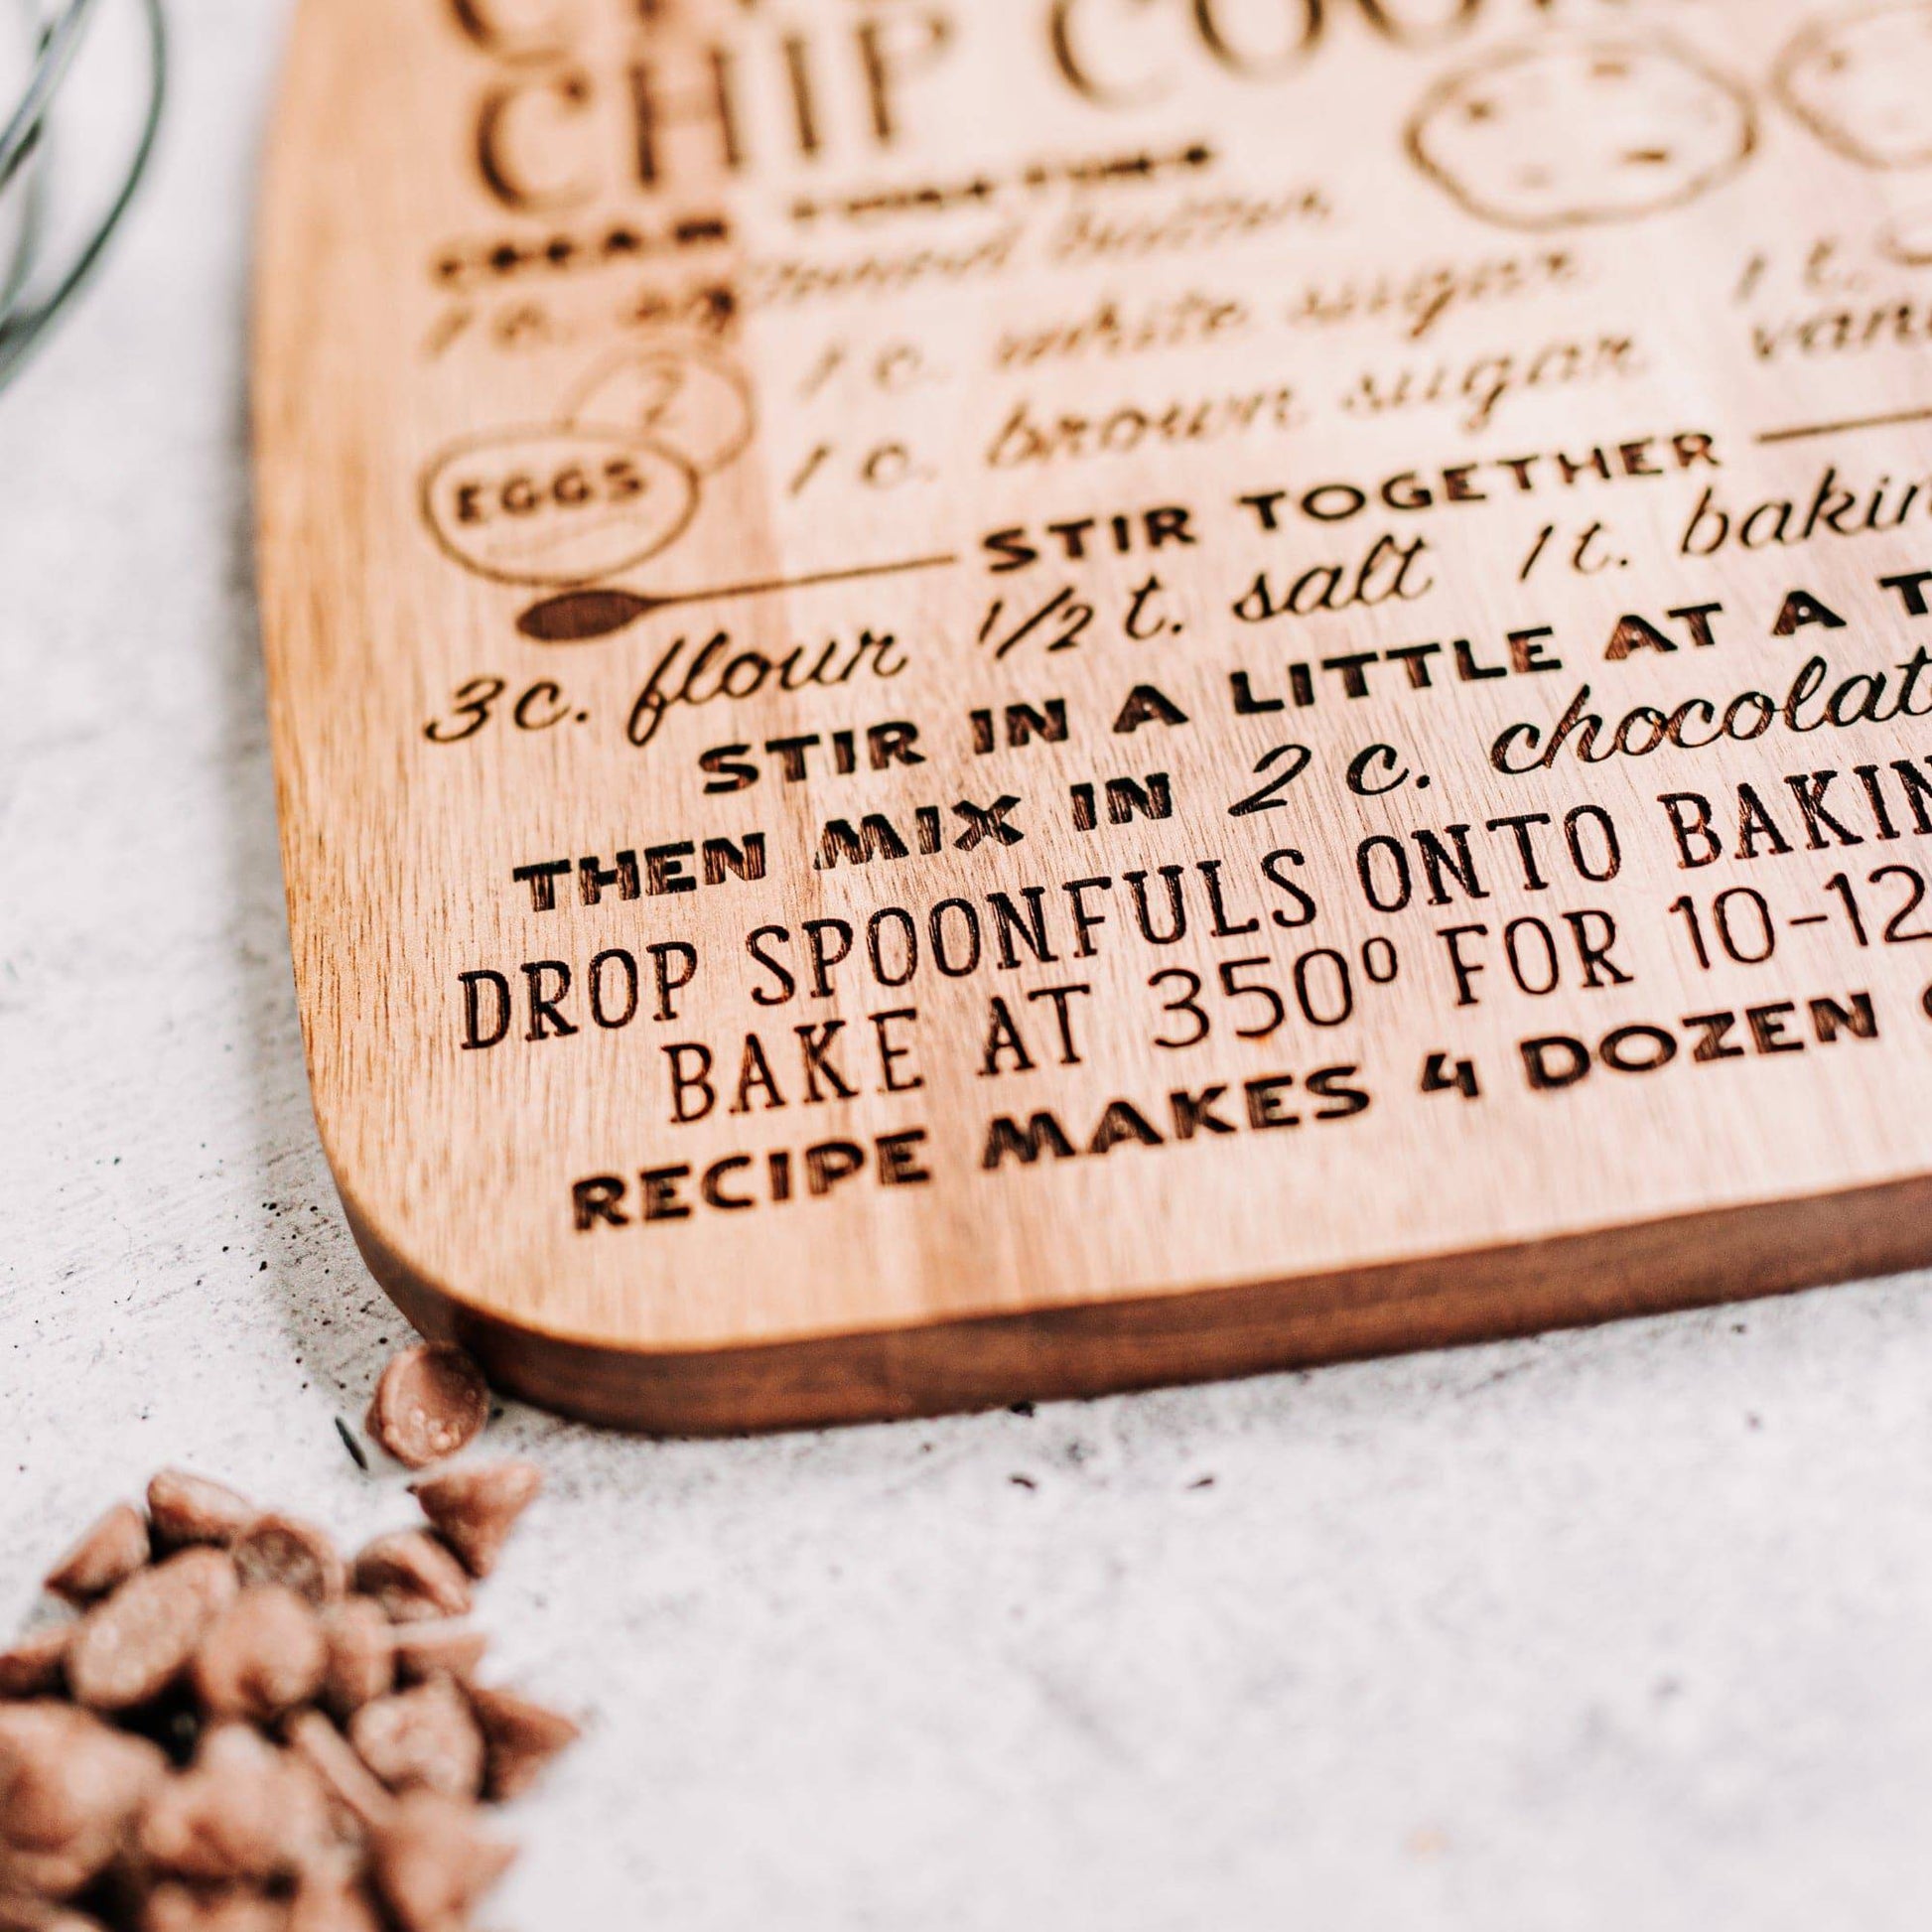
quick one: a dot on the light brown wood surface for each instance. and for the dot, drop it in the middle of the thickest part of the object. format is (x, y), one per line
(1461, 327)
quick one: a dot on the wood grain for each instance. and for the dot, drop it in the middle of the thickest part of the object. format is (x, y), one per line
(1137, 473)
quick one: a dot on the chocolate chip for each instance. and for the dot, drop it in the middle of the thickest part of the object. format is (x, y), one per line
(284, 1550)
(522, 1737)
(133, 1645)
(36, 1664)
(361, 1655)
(431, 1863)
(173, 1906)
(413, 1578)
(246, 1812)
(431, 1402)
(69, 1787)
(333, 1758)
(425, 1739)
(335, 1903)
(263, 1655)
(19, 1915)
(109, 1554)
(476, 1508)
(425, 1650)
(185, 1509)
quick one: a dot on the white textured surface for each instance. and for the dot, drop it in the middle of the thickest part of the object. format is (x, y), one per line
(1627, 1628)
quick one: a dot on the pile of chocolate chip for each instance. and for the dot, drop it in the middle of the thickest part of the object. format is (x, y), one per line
(241, 1731)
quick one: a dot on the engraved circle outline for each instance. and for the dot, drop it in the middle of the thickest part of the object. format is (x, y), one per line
(550, 580)
(733, 376)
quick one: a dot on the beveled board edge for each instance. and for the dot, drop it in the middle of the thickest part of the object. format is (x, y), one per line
(1143, 1341)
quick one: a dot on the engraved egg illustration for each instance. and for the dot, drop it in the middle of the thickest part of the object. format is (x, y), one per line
(557, 506)
(678, 399)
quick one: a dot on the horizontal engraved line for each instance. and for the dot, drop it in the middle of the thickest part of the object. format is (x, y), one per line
(1804, 430)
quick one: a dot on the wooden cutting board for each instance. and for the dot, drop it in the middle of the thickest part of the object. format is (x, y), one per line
(1000, 699)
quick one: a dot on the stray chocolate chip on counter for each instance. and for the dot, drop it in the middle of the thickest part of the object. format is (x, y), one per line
(475, 1509)
(432, 1402)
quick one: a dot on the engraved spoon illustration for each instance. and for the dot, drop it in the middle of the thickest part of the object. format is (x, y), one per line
(579, 615)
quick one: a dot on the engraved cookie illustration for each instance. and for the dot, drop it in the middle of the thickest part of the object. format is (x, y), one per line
(1567, 133)
(1862, 80)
